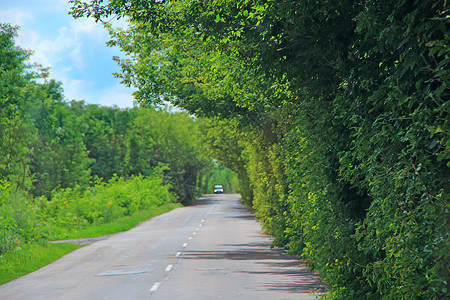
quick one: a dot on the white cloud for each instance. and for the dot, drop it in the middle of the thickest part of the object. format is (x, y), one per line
(77, 57)
(87, 27)
(117, 95)
(74, 49)
(29, 40)
(76, 89)
(71, 42)
(16, 16)
(55, 5)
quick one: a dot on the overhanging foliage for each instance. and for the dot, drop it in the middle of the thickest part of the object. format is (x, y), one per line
(343, 110)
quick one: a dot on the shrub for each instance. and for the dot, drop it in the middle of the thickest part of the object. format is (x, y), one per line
(18, 218)
(73, 209)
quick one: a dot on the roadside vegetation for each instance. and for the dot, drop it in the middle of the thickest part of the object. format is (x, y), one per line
(29, 258)
(333, 114)
(73, 170)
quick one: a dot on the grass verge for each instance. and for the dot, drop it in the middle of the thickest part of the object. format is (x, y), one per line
(31, 257)
(122, 224)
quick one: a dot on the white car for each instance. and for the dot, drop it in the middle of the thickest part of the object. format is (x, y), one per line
(218, 189)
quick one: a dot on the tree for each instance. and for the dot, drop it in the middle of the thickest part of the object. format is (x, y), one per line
(161, 138)
(15, 133)
(106, 139)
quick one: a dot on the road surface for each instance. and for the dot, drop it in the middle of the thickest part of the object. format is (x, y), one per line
(212, 250)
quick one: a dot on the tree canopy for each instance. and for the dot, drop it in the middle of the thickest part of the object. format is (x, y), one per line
(340, 110)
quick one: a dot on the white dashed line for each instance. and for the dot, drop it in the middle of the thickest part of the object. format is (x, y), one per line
(155, 286)
(178, 254)
(184, 245)
(169, 267)
(194, 233)
(203, 220)
(190, 238)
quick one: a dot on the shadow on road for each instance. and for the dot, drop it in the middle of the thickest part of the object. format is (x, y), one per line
(276, 269)
(205, 200)
(275, 262)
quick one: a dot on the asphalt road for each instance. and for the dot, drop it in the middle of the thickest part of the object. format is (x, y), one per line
(212, 250)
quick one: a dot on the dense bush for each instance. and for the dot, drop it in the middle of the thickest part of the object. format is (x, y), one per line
(24, 219)
(19, 218)
(72, 209)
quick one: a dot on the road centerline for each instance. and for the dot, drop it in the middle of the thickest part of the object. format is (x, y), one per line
(155, 287)
(169, 268)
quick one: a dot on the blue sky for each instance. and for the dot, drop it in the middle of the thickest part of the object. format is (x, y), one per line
(75, 50)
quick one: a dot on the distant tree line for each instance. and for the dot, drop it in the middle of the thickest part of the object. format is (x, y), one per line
(334, 115)
(48, 143)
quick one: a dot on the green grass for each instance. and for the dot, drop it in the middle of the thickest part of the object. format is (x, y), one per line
(121, 224)
(30, 257)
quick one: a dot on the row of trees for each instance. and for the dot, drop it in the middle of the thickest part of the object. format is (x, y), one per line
(334, 114)
(48, 143)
